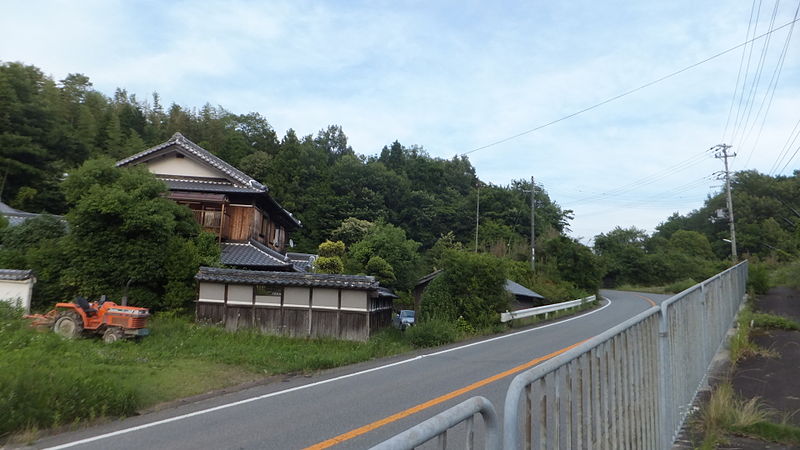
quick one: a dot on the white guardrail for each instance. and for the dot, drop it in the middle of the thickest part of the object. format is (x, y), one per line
(546, 309)
(630, 387)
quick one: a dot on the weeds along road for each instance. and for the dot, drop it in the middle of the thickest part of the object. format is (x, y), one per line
(357, 406)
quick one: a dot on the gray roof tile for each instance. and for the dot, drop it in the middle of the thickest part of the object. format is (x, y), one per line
(15, 275)
(302, 279)
(203, 154)
(252, 254)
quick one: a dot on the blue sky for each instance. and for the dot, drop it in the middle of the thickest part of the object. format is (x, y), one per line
(453, 76)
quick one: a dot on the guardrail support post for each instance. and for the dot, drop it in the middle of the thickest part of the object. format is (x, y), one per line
(665, 380)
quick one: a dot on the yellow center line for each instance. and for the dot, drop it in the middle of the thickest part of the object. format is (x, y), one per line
(422, 406)
(652, 303)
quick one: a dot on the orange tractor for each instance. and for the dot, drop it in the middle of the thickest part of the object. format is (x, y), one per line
(114, 322)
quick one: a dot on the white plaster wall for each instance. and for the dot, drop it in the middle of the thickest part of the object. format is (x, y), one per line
(17, 293)
(170, 165)
(240, 294)
(212, 292)
(295, 296)
(325, 298)
(354, 300)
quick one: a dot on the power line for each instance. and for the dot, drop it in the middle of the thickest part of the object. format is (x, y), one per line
(786, 148)
(739, 74)
(626, 93)
(776, 74)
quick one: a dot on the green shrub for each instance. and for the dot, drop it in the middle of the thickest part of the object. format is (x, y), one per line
(680, 285)
(432, 333)
(331, 249)
(758, 278)
(329, 264)
(472, 286)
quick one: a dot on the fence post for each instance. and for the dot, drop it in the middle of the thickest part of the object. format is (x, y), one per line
(665, 379)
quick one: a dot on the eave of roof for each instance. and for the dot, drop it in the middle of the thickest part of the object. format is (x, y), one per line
(518, 289)
(235, 276)
(201, 153)
(15, 274)
(247, 183)
(252, 254)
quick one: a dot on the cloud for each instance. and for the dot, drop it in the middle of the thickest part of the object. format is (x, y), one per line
(451, 77)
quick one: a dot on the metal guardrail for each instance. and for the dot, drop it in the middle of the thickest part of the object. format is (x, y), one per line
(437, 426)
(630, 387)
(507, 316)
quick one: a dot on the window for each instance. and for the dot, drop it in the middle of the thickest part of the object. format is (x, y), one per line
(274, 291)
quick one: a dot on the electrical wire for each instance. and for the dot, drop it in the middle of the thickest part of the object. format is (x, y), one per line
(774, 85)
(786, 147)
(626, 93)
(739, 74)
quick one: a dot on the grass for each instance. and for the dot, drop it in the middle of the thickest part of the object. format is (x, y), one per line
(672, 288)
(727, 414)
(46, 381)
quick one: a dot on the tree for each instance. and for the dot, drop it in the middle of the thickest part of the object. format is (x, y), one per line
(330, 257)
(121, 229)
(471, 286)
(390, 243)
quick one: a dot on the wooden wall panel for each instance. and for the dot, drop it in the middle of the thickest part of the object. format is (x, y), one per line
(268, 320)
(209, 312)
(295, 322)
(241, 221)
(353, 326)
(238, 317)
(323, 323)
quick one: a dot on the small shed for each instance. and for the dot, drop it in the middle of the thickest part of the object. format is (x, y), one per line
(16, 287)
(296, 304)
(523, 297)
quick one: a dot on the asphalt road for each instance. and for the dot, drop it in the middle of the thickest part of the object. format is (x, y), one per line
(359, 405)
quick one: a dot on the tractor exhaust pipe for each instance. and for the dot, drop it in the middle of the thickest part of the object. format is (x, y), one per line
(125, 296)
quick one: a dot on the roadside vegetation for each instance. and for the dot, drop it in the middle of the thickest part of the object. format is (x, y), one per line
(727, 414)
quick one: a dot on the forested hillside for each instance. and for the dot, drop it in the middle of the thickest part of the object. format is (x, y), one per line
(48, 128)
(422, 204)
(696, 245)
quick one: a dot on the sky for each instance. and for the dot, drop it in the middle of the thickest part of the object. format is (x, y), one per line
(457, 77)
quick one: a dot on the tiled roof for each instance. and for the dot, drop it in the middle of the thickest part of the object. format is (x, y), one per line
(240, 181)
(15, 275)
(252, 254)
(303, 279)
(181, 141)
(16, 217)
(203, 185)
(303, 262)
(518, 289)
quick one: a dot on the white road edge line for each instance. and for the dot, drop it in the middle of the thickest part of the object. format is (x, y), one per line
(318, 383)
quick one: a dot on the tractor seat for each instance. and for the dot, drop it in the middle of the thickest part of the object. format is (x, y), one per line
(84, 304)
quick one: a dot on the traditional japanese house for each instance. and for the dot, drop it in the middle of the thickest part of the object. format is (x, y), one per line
(253, 229)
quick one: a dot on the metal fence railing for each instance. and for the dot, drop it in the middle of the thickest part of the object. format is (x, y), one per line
(630, 387)
(437, 426)
(546, 309)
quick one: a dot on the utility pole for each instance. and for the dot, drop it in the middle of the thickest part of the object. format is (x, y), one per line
(533, 236)
(721, 152)
(477, 216)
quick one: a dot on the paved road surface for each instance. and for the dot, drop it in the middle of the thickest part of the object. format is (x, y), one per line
(360, 405)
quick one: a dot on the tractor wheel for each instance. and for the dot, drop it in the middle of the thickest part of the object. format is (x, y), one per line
(68, 324)
(112, 335)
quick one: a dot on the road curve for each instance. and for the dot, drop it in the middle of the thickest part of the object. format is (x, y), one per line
(356, 406)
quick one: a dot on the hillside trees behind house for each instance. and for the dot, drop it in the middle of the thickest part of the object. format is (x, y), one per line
(409, 199)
